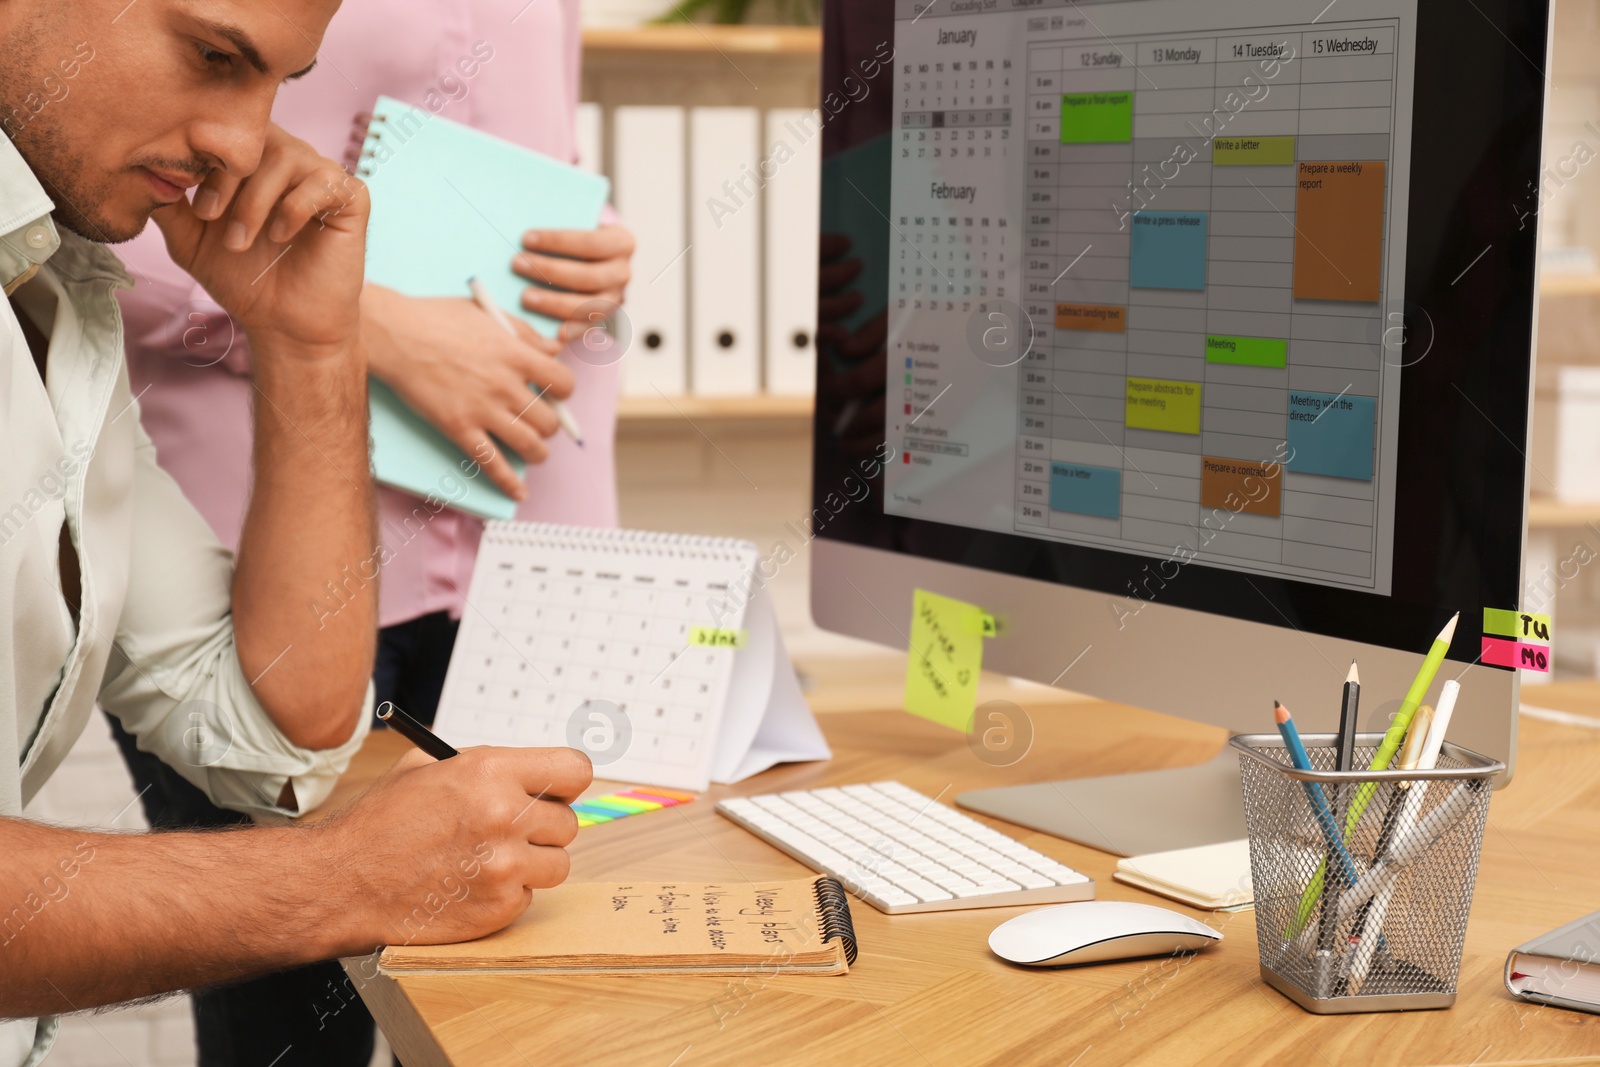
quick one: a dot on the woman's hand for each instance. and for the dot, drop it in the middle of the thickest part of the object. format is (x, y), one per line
(586, 272)
(462, 372)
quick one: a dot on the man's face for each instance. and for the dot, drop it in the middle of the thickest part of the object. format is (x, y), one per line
(120, 107)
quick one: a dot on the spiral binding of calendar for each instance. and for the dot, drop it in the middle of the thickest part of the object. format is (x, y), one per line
(632, 542)
(833, 908)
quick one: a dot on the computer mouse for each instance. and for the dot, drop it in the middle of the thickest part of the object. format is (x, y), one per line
(1093, 931)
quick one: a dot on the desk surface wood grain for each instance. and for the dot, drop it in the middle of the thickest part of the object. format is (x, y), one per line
(926, 989)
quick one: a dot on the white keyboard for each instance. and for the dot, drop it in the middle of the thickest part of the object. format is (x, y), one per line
(902, 851)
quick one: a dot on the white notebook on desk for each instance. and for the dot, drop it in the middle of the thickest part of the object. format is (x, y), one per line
(656, 653)
(1208, 876)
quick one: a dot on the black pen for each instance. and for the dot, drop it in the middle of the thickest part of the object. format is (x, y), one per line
(414, 731)
(1344, 756)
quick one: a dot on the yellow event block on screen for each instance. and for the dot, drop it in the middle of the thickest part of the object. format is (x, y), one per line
(1157, 404)
(1252, 151)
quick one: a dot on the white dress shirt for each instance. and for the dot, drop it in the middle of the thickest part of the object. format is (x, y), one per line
(154, 639)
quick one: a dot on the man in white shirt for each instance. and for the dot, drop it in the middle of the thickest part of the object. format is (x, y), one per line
(112, 588)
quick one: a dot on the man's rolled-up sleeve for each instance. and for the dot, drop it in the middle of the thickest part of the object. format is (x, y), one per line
(174, 679)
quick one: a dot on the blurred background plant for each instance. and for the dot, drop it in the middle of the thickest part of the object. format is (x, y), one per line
(800, 12)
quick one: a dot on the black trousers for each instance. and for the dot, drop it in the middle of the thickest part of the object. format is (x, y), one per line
(309, 1016)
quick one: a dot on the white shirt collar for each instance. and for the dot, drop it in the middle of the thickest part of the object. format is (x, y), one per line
(28, 235)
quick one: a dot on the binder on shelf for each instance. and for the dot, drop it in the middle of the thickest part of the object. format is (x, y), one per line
(793, 207)
(647, 153)
(590, 132)
(725, 214)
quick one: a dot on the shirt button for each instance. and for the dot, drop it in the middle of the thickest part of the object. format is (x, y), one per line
(37, 237)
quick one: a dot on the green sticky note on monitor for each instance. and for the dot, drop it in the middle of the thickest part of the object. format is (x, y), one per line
(945, 659)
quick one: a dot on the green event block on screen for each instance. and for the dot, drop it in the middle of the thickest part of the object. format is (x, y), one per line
(1097, 118)
(1248, 351)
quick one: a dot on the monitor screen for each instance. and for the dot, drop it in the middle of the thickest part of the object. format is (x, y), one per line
(1222, 302)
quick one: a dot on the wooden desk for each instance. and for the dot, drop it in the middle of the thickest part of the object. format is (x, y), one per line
(926, 990)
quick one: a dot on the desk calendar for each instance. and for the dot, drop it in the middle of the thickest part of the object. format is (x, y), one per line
(655, 653)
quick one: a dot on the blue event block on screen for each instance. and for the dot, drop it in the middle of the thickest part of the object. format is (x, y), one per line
(1168, 250)
(1331, 434)
(1086, 490)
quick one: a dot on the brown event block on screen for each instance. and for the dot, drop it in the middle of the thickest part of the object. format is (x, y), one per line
(1103, 318)
(1338, 241)
(1240, 485)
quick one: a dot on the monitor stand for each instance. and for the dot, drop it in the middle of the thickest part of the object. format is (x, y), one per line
(1128, 814)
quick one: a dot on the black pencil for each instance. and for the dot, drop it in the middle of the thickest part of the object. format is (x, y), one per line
(1348, 713)
(414, 731)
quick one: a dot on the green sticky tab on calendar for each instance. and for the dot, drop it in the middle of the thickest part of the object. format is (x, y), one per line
(945, 658)
(711, 637)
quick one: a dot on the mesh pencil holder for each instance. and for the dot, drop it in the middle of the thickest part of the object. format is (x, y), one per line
(1362, 895)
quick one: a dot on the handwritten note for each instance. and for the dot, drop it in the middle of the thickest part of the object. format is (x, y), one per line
(739, 927)
(945, 659)
(711, 637)
(1517, 625)
(1500, 652)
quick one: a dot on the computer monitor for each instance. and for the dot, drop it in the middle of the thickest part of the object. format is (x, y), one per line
(1192, 339)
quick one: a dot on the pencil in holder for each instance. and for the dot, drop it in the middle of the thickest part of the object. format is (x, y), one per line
(1366, 911)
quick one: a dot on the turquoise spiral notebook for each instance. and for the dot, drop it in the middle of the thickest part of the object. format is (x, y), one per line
(449, 203)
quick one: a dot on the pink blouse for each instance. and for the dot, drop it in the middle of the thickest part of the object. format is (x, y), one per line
(509, 67)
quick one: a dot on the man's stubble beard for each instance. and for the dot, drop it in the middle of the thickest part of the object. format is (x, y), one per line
(75, 196)
(44, 144)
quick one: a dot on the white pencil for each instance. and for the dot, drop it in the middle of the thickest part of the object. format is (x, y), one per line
(481, 297)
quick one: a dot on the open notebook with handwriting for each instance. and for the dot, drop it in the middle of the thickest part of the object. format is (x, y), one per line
(787, 926)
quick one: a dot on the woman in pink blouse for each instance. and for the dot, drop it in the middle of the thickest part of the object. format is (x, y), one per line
(510, 68)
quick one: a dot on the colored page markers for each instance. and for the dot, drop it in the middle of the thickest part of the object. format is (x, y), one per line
(592, 811)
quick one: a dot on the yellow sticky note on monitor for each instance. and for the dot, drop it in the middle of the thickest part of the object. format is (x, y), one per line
(945, 659)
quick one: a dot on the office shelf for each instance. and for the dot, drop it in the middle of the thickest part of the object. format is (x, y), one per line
(684, 39)
(655, 410)
(1570, 285)
(697, 65)
(1548, 513)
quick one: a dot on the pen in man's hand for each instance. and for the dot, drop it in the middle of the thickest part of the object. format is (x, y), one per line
(414, 731)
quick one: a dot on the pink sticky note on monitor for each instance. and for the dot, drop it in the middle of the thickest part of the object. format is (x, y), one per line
(1502, 652)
